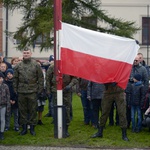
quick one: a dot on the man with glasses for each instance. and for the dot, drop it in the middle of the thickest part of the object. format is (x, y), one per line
(142, 61)
(137, 68)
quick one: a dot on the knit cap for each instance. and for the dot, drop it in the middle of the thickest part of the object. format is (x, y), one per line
(138, 77)
(51, 58)
(9, 71)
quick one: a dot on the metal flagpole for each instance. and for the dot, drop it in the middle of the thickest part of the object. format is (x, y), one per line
(59, 109)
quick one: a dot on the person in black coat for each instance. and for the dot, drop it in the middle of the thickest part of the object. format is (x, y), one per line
(137, 95)
(95, 93)
(13, 101)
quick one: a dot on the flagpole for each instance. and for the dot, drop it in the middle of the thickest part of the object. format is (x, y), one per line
(58, 119)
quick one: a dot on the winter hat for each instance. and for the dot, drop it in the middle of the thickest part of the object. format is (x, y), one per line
(1, 75)
(9, 71)
(138, 77)
(51, 58)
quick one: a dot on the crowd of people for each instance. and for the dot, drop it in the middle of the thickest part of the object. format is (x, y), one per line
(26, 83)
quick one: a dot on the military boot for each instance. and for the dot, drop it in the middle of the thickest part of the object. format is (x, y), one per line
(24, 129)
(32, 130)
(124, 134)
(1, 135)
(99, 133)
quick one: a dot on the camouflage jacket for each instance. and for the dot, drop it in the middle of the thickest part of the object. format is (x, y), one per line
(28, 77)
(51, 80)
(5, 97)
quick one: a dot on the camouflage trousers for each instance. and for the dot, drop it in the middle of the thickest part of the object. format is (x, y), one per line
(106, 104)
(27, 103)
(66, 103)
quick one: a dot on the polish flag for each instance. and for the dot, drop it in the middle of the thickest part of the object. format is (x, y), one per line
(95, 56)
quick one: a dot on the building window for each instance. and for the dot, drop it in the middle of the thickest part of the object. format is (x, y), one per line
(17, 42)
(145, 30)
(40, 39)
(91, 21)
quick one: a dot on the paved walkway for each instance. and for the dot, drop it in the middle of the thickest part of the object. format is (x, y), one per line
(54, 148)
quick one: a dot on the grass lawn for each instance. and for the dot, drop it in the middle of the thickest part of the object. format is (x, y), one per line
(80, 134)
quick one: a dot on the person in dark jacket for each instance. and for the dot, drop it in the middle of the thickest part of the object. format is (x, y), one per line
(137, 68)
(13, 101)
(86, 104)
(4, 104)
(95, 94)
(137, 96)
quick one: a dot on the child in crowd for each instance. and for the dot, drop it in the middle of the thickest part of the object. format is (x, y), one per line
(13, 101)
(137, 96)
(4, 104)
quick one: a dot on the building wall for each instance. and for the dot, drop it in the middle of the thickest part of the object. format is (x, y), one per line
(130, 10)
(14, 21)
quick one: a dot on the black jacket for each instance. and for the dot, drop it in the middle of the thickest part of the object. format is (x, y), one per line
(95, 90)
(136, 94)
(13, 95)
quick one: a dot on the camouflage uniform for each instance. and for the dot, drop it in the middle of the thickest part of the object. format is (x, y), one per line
(113, 93)
(28, 82)
(4, 103)
(51, 88)
(5, 106)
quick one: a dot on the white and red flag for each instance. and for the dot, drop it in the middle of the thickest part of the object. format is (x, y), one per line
(96, 56)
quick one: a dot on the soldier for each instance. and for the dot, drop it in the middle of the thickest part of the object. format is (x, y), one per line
(28, 84)
(68, 83)
(50, 103)
(113, 93)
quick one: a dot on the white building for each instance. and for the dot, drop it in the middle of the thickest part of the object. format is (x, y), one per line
(9, 44)
(137, 11)
(129, 10)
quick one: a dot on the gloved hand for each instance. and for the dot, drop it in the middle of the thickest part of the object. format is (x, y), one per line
(67, 88)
